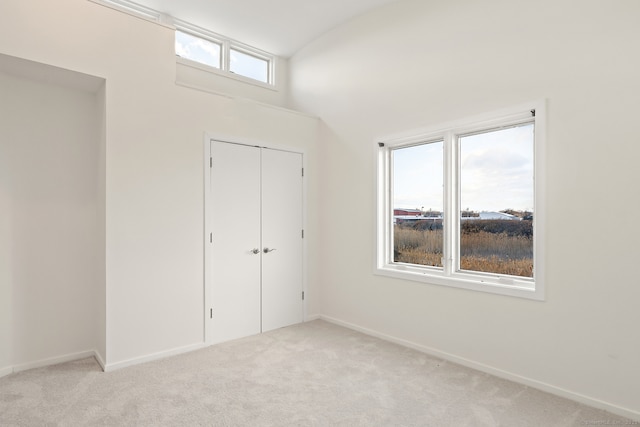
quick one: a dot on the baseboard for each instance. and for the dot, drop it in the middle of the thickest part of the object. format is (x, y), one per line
(99, 359)
(53, 361)
(151, 357)
(6, 371)
(558, 391)
(312, 317)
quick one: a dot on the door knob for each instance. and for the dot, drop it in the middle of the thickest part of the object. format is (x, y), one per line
(255, 251)
(267, 250)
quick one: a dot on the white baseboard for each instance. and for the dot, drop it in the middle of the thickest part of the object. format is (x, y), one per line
(558, 391)
(312, 317)
(6, 371)
(52, 361)
(150, 357)
(99, 359)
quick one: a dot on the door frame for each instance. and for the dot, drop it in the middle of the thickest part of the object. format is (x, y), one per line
(207, 226)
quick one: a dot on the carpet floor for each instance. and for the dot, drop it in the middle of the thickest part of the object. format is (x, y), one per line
(312, 374)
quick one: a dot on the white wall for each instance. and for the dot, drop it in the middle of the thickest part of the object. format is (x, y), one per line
(153, 153)
(417, 63)
(194, 76)
(49, 147)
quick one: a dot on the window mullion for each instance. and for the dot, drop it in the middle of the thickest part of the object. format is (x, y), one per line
(450, 203)
(456, 210)
(226, 55)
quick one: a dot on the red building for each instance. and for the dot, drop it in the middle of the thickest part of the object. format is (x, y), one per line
(407, 212)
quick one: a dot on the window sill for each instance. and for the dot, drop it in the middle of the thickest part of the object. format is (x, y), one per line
(507, 285)
(222, 73)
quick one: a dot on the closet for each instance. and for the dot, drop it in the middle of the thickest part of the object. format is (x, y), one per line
(255, 216)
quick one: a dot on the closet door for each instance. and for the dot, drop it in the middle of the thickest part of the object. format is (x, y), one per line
(256, 255)
(235, 236)
(282, 261)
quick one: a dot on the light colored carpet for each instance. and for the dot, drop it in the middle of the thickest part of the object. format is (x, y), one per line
(313, 374)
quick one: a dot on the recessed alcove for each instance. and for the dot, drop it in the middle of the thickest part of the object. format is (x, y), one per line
(52, 214)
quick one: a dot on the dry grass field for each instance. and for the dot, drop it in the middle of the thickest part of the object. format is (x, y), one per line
(504, 252)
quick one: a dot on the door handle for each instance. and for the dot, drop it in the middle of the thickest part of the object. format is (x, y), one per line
(255, 251)
(267, 250)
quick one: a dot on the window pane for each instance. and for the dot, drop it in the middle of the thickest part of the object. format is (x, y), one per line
(249, 66)
(198, 49)
(496, 197)
(417, 204)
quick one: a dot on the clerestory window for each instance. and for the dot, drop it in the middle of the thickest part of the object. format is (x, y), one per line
(463, 205)
(223, 55)
(200, 48)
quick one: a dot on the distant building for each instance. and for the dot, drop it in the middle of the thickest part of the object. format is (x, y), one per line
(411, 216)
(407, 212)
(403, 216)
(494, 215)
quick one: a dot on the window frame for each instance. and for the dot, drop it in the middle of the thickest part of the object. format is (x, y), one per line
(449, 274)
(226, 45)
(134, 9)
(211, 39)
(255, 53)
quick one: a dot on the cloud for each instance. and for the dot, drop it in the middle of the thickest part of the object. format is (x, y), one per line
(197, 49)
(497, 160)
(496, 172)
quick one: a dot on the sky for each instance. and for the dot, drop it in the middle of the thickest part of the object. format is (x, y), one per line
(208, 53)
(197, 49)
(418, 177)
(496, 172)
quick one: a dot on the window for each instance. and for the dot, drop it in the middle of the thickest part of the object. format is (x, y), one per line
(417, 234)
(248, 65)
(198, 49)
(463, 205)
(196, 45)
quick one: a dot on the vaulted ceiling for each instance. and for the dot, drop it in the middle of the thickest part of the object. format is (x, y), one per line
(281, 27)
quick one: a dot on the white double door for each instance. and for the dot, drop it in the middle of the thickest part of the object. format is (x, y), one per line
(256, 240)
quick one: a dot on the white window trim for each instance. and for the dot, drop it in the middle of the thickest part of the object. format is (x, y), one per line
(256, 53)
(205, 68)
(137, 10)
(227, 44)
(532, 288)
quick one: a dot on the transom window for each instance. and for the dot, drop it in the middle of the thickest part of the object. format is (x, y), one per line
(198, 49)
(248, 65)
(462, 206)
(206, 48)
